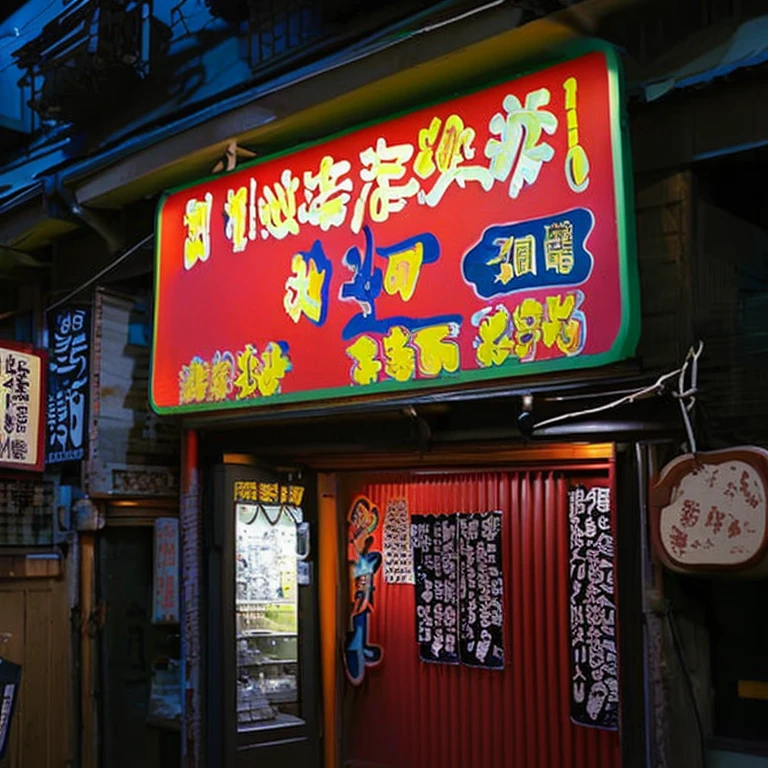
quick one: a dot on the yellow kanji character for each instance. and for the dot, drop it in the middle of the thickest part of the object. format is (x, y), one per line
(437, 350)
(275, 363)
(403, 269)
(252, 211)
(447, 154)
(197, 220)
(269, 492)
(503, 259)
(222, 368)
(277, 209)
(379, 196)
(366, 366)
(558, 246)
(328, 207)
(424, 164)
(493, 344)
(564, 324)
(296, 495)
(194, 381)
(527, 319)
(400, 358)
(304, 289)
(519, 153)
(246, 490)
(248, 365)
(236, 214)
(576, 160)
(524, 255)
(404, 262)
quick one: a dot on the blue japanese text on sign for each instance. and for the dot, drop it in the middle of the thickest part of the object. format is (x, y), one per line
(68, 370)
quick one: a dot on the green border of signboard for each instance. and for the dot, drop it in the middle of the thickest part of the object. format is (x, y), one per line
(626, 340)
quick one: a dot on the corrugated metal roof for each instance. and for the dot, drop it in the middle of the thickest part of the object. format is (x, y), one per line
(710, 54)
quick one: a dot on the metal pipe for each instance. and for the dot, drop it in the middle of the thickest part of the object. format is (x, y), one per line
(641, 456)
(190, 525)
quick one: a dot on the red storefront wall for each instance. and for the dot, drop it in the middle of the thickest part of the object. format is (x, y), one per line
(408, 714)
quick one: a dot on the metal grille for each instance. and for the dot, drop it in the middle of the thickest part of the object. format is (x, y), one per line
(89, 55)
(278, 28)
(292, 28)
(26, 513)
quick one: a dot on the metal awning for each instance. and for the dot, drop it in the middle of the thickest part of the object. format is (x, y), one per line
(710, 54)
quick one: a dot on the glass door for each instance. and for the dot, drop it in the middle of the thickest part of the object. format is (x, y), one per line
(262, 637)
(267, 613)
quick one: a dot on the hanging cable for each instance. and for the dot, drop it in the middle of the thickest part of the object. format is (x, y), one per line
(655, 389)
(691, 365)
(116, 262)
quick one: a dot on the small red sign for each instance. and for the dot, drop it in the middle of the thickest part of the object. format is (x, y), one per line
(481, 238)
(166, 583)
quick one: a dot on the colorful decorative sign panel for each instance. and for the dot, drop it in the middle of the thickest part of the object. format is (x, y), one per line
(364, 565)
(481, 238)
(22, 421)
(709, 512)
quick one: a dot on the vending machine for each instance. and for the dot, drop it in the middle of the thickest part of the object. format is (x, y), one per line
(263, 655)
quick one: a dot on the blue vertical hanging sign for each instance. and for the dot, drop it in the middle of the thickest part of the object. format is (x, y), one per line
(69, 330)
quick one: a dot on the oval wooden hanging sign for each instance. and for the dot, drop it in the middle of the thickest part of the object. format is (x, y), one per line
(709, 513)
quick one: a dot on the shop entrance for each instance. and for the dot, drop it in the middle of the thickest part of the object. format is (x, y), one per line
(140, 709)
(262, 632)
(411, 713)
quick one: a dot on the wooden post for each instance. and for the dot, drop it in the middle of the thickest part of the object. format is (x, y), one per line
(328, 592)
(88, 714)
(190, 536)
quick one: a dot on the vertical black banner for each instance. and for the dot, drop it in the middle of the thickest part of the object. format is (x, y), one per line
(481, 590)
(10, 678)
(69, 331)
(435, 561)
(594, 655)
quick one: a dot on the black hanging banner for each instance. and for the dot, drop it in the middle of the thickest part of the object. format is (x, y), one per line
(69, 331)
(481, 604)
(594, 656)
(10, 679)
(435, 562)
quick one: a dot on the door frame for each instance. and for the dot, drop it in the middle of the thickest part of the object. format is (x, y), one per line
(287, 745)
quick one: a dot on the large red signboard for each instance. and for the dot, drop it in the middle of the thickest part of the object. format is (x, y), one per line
(484, 237)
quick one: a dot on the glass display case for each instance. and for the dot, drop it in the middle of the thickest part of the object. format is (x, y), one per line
(267, 610)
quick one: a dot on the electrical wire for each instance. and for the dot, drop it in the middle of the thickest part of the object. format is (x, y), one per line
(691, 364)
(686, 396)
(95, 278)
(653, 389)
